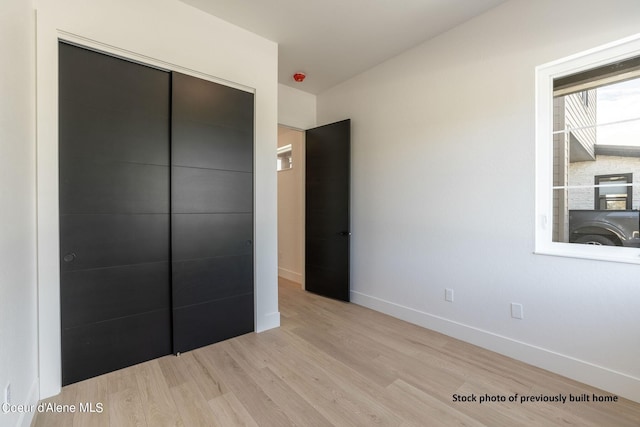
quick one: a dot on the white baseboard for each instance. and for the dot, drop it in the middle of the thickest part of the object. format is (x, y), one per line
(269, 321)
(290, 275)
(597, 376)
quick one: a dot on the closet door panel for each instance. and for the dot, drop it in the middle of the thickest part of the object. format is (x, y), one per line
(213, 146)
(212, 212)
(197, 236)
(212, 321)
(97, 348)
(211, 278)
(91, 296)
(119, 135)
(202, 101)
(107, 83)
(210, 190)
(93, 186)
(114, 213)
(98, 241)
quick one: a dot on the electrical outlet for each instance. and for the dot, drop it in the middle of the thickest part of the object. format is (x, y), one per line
(448, 294)
(516, 311)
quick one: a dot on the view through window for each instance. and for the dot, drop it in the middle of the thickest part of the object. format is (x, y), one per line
(596, 156)
(284, 158)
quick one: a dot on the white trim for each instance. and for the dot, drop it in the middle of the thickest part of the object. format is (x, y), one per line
(85, 42)
(597, 125)
(26, 418)
(268, 321)
(573, 187)
(615, 382)
(545, 75)
(49, 346)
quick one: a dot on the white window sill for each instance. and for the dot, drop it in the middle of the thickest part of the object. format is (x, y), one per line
(590, 252)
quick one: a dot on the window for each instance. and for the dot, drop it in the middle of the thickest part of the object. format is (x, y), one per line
(285, 160)
(585, 98)
(613, 192)
(588, 153)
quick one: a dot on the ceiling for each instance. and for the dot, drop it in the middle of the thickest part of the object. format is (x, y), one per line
(333, 40)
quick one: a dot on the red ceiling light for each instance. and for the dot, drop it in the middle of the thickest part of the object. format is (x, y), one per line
(299, 77)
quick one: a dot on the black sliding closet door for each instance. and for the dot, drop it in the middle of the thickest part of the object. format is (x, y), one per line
(114, 213)
(212, 212)
(156, 212)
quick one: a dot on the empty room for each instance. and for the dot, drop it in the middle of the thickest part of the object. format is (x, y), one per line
(339, 213)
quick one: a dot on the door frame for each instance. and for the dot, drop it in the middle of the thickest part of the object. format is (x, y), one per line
(303, 218)
(48, 25)
(303, 165)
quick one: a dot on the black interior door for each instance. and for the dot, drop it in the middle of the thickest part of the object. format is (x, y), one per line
(114, 213)
(212, 212)
(327, 223)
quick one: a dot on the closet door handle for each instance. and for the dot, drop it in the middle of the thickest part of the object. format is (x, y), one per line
(344, 233)
(71, 256)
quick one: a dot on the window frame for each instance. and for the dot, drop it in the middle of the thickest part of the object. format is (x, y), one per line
(545, 75)
(284, 158)
(628, 198)
(584, 96)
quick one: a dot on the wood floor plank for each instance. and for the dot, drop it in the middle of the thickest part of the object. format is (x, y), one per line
(175, 371)
(333, 364)
(157, 402)
(296, 408)
(230, 412)
(351, 352)
(68, 396)
(336, 405)
(431, 411)
(194, 410)
(253, 398)
(93, 392)
(626, 415)
(208, 382)
(317, 380)
(124, 399)
(412, 413)
(432, 380)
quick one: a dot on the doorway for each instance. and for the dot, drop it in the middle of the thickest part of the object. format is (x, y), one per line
(314, 208)
(291, 206)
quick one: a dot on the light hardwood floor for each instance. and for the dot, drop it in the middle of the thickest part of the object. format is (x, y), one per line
(333, 364)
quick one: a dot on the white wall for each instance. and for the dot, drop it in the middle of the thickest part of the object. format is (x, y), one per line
(443, 194)
(296, 109)
(18, 300)
(176, 36)
(291, 208)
